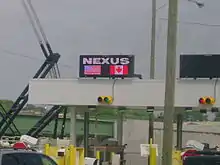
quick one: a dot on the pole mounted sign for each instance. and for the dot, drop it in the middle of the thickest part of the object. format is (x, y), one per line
(106, 66)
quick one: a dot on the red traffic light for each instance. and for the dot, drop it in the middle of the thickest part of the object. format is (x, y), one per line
(100, 99)
(202, 100)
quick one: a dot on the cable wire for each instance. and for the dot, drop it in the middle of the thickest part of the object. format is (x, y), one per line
(36, 31)
(55, 73)
(194, 23)
(113, 88)
(55, 69)
(31, 21)
(39, 24)
(29, 57)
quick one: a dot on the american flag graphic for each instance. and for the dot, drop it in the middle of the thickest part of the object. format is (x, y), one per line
(92, 69)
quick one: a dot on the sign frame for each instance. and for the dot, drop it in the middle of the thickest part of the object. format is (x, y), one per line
(105, 61)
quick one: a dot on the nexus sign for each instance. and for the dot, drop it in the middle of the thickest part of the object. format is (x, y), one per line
(106, 66)
(106, 60)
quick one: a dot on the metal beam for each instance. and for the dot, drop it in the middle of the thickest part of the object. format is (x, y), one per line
(120, 127)
(86, 133)
(73, 125)
(126, 92)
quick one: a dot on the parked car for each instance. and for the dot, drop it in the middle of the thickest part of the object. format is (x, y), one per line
(11, 156)
(202, 160)
(209, 156)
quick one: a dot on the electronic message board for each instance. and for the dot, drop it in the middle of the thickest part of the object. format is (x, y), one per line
(106, 66)
(199, 66)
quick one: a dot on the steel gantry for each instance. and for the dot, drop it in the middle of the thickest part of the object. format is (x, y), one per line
(129, 93)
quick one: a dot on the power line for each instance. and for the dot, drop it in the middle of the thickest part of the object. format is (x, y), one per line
(194, 23)
(29, 57)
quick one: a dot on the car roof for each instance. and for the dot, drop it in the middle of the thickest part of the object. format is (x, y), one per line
(203, 157)
(12, 150)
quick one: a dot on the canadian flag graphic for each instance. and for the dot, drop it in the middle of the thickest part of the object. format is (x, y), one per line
(118, 69)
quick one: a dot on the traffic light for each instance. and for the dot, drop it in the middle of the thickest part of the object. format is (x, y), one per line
(105, 99)
(207, 100)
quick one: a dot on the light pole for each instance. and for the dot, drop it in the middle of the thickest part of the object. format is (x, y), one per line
(152, 56)
(152, 71)
(153, 37)
(152, 66)
(153, 40)
(170, 82)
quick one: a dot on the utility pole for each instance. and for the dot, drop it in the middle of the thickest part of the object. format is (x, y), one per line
(170, 83)
(153, 40)
(152, 64)
(152, 69)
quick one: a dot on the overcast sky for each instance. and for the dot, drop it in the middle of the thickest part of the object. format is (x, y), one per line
(77, 27)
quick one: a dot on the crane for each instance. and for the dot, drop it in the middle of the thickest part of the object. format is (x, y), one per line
(2, 114)
(49, 67)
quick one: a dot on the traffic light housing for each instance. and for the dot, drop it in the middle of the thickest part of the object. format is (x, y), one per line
(203, 110)
(214, 110)
(105, 99)
(207, 100)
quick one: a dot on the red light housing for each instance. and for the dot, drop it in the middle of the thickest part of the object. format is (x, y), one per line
(202, 100)
(100, 99)
(20, 145)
